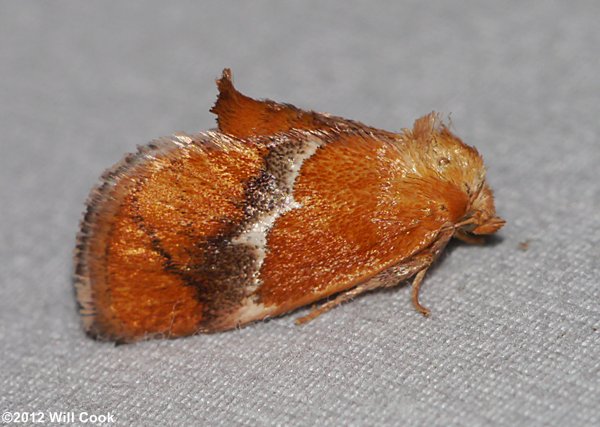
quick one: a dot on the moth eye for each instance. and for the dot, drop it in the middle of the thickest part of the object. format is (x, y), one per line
(443, 207)
(443, 161)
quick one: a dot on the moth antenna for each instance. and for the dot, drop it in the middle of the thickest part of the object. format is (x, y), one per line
(339, 299)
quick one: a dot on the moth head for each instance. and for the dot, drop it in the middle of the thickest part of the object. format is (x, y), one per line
(458, 164)
(482, 218)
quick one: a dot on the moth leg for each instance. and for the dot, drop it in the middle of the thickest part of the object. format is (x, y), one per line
(435, 251)
(341, 298)
(392, 277)
(467, 238)
(416, 286)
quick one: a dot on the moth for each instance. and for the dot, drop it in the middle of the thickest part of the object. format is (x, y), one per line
(275, 209)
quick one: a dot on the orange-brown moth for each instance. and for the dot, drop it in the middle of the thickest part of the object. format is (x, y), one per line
(276, 209)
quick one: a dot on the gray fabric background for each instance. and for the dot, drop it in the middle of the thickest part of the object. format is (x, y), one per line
(515, 335)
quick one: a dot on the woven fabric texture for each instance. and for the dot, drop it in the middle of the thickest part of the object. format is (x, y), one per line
(514, 338)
